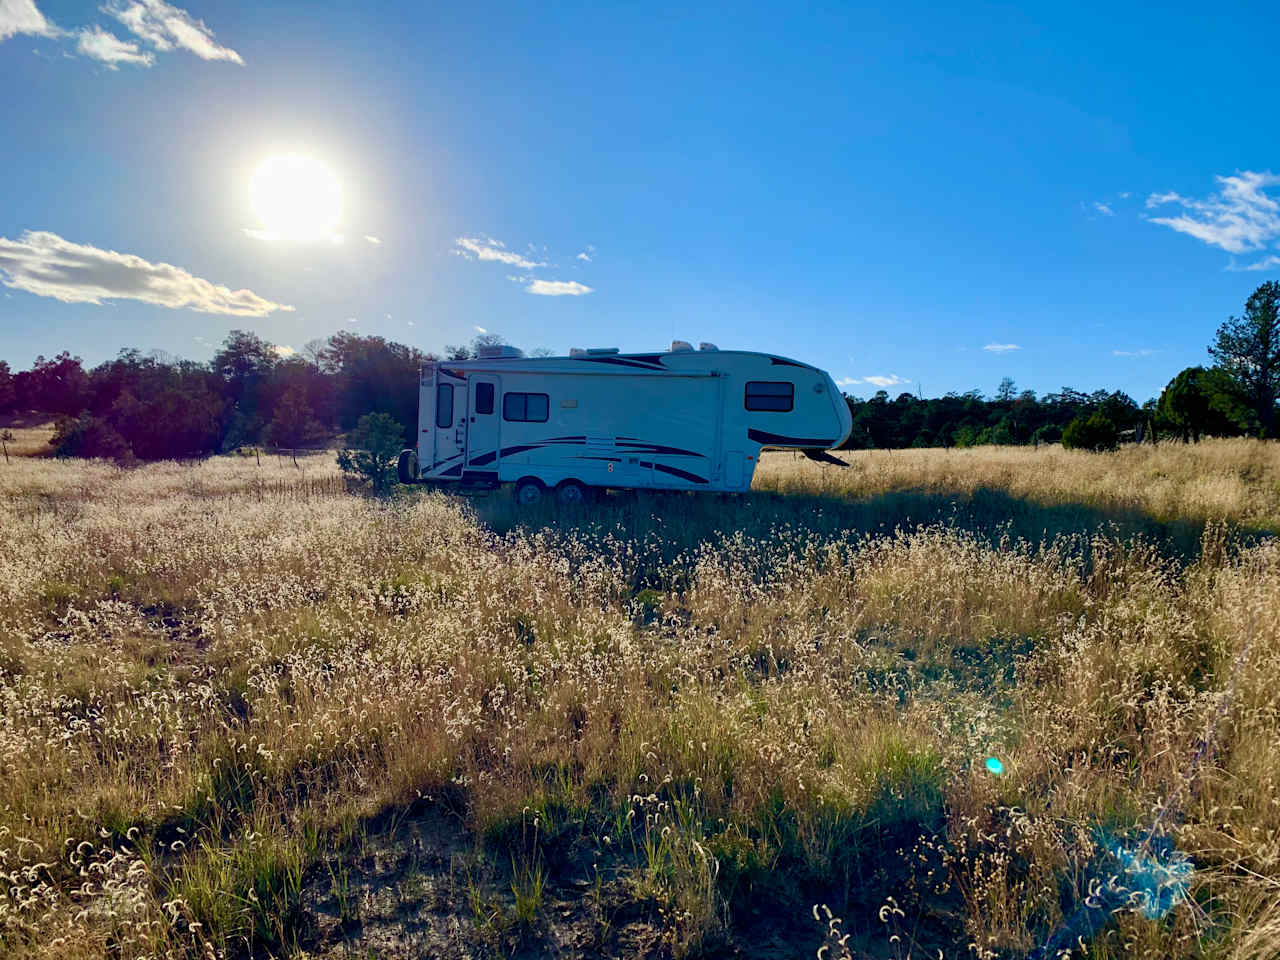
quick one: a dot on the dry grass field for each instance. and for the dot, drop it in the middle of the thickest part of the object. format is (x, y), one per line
(990, 703)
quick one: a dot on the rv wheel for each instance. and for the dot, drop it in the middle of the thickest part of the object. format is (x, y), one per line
(528, 492)
(571, 493)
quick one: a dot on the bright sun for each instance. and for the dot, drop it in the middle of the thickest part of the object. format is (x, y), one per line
(297, 198)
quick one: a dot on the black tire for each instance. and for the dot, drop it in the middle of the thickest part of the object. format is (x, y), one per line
(407, 466)
(573, 493)
(528, 492)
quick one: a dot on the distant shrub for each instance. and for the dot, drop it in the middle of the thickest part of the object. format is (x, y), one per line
(371, 451)
(1095, 432)
(1049, 433)
(89, 436)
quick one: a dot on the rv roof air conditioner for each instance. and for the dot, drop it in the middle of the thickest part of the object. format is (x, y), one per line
(499, 351)
(707, 346)
(681, 346)
(601, 351)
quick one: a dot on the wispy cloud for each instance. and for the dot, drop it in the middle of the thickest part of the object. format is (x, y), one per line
(107, 48)
(486, 248)
(1239, 218)
(23, 16)
(271, 236)
(588, 253)
(1144, 352)
(45, 264)
(1103, 208)
(558, 288)
(479, 329)
(876, 380)
(376, 241)
(1001, 347)
(165, 27)
(1266, 263)
(892, 380)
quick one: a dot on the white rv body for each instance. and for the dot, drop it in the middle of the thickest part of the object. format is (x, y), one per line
(682, 420)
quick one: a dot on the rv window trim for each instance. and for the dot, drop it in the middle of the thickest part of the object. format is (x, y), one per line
(523, 399)
(444, 406)
(748, 397)
(484, 391)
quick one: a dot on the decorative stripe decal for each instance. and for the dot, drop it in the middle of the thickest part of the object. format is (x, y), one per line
(778, 440)
(674, 471)
(656, 448)
(621, 362)
(506, 452)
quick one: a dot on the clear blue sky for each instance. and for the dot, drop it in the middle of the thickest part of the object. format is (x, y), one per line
(883, 192)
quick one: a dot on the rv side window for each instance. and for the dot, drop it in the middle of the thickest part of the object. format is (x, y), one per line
(776, 395)
(484, 398)
(444, 406)
(525, 407)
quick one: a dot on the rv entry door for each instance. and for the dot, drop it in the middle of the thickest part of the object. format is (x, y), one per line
(482, 423)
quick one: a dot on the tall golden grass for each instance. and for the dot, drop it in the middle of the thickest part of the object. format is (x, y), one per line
(213, 676)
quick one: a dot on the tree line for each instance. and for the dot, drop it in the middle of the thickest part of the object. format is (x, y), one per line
(154, 407)
(1236, 396)
(151, 407)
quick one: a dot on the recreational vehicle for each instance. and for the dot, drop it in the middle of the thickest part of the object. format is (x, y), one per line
(568, 426)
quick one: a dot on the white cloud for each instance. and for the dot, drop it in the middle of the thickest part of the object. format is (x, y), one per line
(486, 248)
(847, 381)
(1144, 352)
(166, 27)
(480, 330)
(283, 352)
(1103, 208)
(107, 48)
(22, 16)
(558, 288)
(584, 257)
(1239, 218)
(892, 380)
(1267, 263)
(271, 236)
(45, 264)
(376, 241)
(353, 320)
(1001, 347)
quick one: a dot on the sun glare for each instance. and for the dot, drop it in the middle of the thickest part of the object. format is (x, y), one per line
(297, 198)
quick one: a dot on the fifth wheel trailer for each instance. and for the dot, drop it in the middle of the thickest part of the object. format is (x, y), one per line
(681, 420)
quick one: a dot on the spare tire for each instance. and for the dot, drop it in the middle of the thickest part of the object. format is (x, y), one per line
(407, 466)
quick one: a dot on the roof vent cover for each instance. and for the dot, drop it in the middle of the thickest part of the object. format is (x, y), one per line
(681, 346)
(498, 351)
(707, 346)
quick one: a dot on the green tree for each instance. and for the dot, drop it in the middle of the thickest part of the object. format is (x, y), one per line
(1199, 402)
(371, 450)
(8, 395)
(293, 426)
(1096, 432)
(1248, 348)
